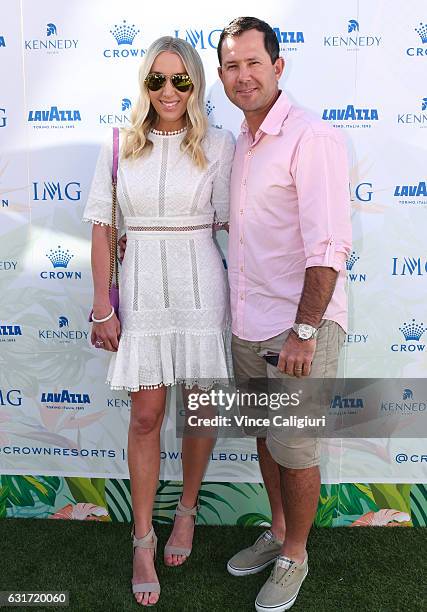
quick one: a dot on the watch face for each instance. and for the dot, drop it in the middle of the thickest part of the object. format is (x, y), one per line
(305, 331)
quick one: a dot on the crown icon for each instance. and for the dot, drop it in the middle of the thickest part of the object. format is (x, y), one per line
(63, 321)
(126, 104)
(59, 258)
(351, 261)
(412, 331)
(209, 107)
(407, 394)
(353, 26)
(124, 33)
(422, 31)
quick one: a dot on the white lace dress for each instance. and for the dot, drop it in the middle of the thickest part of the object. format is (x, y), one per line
(174, 300)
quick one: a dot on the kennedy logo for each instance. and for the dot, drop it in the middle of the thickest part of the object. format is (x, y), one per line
(117, 402)
(3, 118)
(10, 397)
(117, 118)
(65, 400)
(60, 258)
(345, 405)
(352, 40)
(7, 265)
(64, 334)
(2, 42)
(200, 39)
(288, 39)
(9, 333)
(54, 118)
(419, 51)
(411, 194)
(362, 192)
(356, 338)
(351, 116)
(412, 333)
(55, 191)
(352, 275)
(51, 44)
(409, 266)
(405, 406)
(124, 35)
(417, 119)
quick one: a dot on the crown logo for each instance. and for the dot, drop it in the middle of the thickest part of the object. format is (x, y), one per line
(124, 33)
(353, 26)
(412, 331)
(209, 107)
(407, 394)
(126, 104)
(51, 29)
(351, 261)
(59, 258)
(422, 31)
(63, 322)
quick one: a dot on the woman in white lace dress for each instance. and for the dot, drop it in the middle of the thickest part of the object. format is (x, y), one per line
(173, 184)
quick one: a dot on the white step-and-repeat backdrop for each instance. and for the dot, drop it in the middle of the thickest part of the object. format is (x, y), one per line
(68, 73)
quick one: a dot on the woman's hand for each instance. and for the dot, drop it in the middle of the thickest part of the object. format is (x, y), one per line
(106, 335)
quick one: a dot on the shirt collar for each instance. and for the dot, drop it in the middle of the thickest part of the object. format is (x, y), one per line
(273, 122)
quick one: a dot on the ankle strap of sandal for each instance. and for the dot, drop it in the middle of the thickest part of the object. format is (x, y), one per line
(183, 511)
(148, 541)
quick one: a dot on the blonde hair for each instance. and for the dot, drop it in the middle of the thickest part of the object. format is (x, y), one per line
(144, 117)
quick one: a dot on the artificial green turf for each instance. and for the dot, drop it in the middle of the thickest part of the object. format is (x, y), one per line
(350, 569)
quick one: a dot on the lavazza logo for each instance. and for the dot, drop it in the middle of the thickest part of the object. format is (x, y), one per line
(345, 405)
(48, 191)
(351, 116)
(51, 43)
(416, 119)
(2, 42)
(10, 397)
(411, 194)
(54, 118)
(65, 400)
(419, 51)
(407, 404)
(124, 35)
(289, 41)
(117, 118)
(353, 41)
(9, 333)
(353, 275)
(60, 258)
(412, 333)
(64, 333)
(409, 266)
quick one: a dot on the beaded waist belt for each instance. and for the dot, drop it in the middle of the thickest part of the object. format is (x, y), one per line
(168, 228)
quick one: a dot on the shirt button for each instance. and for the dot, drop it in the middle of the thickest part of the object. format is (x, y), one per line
(241, 268)
(250, 152)
(241, 211)
(242, 296)
(241, 239)
(244, 182)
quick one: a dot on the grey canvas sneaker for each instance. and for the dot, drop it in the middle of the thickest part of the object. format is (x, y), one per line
(280, 591)
(254, 559)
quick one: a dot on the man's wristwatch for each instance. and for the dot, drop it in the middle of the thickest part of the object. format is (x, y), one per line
(304, 331)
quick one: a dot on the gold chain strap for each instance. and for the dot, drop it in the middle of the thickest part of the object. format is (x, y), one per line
(114, 268)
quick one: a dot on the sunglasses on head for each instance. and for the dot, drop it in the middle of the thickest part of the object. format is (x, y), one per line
(156, 80)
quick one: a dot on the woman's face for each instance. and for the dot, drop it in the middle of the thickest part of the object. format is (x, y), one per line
(169, 103)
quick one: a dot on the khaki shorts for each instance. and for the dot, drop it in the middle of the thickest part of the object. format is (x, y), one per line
(248, 363)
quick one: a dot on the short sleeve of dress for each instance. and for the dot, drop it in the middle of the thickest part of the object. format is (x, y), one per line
(221, 183)
(99, 202)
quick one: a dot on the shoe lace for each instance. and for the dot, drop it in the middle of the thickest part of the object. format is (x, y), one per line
(282, 569)
(264, 539)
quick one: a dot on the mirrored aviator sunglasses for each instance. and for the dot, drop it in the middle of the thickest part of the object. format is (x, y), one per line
(156, 80)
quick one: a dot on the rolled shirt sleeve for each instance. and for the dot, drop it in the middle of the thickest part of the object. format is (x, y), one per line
(322, 184)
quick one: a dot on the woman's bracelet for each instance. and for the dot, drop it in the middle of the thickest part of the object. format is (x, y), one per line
(105, 319)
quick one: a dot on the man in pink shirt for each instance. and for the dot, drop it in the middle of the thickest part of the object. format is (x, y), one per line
(290, 235)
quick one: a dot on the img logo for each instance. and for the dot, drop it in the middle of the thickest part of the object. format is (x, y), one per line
(352, 40)
(9, 333)
(417, 119)
(3, 118)
(117, 118)
(351, 274)
(10, 397)
(411, 194)
(351, 116)
(412, 333)
(54, 118)
(63, 334)
(54, 191)
(200, 39)
(287, 40)
(60, 258)
(65, 400)
(361, 192)
(51, 44)
(419, 51)
(409, 266)
(2, 42)
(124, 35)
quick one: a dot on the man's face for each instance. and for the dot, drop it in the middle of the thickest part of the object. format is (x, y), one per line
(250, 79)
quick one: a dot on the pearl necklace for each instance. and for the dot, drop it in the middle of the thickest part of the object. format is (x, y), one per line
(174, 133)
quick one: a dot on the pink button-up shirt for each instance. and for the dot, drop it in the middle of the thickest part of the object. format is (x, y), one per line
(290, 210)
